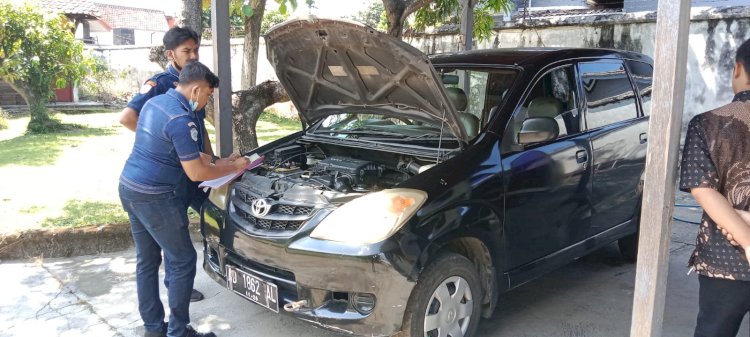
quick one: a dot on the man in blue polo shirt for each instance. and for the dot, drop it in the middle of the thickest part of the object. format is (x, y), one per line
(181, 46)
(167, 146)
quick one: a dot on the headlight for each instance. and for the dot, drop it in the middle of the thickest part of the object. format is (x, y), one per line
(371, 218)
(218, 196)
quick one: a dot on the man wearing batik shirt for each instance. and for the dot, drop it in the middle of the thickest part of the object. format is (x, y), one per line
(716, 171)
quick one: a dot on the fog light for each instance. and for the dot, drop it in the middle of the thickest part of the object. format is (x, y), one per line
(363, 303)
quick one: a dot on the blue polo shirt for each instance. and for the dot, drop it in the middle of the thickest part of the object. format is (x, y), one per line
(168, 132)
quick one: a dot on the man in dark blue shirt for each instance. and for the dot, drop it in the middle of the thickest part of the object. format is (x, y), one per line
(167, 146)
(181, 46)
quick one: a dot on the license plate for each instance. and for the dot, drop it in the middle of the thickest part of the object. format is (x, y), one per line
(253, 288)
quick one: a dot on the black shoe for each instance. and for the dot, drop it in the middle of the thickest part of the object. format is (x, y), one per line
(196, 296)
(154, 334)
(162, 333)
(192, 333)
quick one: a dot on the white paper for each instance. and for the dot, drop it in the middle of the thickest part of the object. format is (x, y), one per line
(255, 161)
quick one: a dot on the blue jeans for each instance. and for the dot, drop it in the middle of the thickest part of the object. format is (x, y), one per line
(159, 224)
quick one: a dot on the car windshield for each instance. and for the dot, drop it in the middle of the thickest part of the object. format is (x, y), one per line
(476, 94)
(371, 126)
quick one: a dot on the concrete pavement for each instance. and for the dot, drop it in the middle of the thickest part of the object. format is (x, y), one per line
(95, 296)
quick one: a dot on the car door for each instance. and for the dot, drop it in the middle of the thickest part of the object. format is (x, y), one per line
(548, 184)
(618, 138)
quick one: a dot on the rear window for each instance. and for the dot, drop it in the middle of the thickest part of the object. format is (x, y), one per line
(609, 96)
(642, 74)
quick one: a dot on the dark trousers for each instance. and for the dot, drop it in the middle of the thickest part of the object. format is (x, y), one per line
(722, 304)
(159, 224)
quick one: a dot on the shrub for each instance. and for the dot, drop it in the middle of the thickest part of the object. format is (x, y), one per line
(3, 120)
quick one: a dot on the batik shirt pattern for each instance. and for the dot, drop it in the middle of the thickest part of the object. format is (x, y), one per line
(717, 155)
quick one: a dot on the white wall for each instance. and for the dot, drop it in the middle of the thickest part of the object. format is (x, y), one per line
(136, 57)
(714, 38)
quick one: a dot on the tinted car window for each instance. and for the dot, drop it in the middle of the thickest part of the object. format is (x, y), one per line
(642, 74)
(485, 88)
(552, 96)
(609, 95)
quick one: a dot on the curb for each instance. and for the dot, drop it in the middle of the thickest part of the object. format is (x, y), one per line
(67, 242)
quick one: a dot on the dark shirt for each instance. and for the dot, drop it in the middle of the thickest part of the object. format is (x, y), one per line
(167, 133)
(717, 155)
(158, 85)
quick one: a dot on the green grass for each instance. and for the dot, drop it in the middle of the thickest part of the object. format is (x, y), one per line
(41, 150)
(78, 213)
(69, 179)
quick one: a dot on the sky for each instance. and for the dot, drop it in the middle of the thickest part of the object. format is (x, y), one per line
(327, 8)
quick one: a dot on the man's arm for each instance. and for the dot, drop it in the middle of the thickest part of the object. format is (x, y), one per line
(129, 118)
(725, 216)
(200, 169)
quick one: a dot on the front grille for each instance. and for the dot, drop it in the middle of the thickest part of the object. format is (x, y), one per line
(272, 225)
(281, 217)
(294, 210)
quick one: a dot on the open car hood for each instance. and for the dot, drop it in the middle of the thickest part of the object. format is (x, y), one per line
(335, 66)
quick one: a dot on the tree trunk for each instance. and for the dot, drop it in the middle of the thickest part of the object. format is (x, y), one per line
(252, 39)
(394, 10)
(397, 11)
(247, 107)
(192, 15)
(156, 55)
(40, 121)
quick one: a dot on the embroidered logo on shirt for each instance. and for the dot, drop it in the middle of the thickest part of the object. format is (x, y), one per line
(193, 131)
(147, 86)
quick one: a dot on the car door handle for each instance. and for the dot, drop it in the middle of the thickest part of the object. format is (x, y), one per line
(643, 137)
(582, 156)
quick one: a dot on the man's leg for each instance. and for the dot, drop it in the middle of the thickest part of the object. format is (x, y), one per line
(193, 197)
(148, 259)
(722, 306)
(167, 224)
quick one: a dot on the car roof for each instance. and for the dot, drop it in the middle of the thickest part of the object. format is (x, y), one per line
(529, 57)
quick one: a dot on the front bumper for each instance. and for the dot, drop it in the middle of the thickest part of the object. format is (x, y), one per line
(326, 274)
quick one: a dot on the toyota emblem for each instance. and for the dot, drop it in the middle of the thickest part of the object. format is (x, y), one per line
(261, 207)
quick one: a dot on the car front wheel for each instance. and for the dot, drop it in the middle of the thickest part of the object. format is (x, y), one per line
(446, 300)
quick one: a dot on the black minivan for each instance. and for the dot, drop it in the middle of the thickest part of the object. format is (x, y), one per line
(423, 187)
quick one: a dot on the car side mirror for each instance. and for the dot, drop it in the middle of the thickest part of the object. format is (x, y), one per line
(538, 129)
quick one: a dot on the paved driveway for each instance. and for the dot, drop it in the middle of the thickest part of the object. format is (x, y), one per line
(95, 296)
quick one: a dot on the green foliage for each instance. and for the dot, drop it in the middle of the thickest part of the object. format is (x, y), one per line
(99, 85)
(80, 213)
(236, 24)
(37, 54)
(272, 18)
(440, 12)
(239, 11)
(373, 15)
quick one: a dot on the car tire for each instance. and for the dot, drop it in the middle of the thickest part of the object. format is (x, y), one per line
(453, 278)
(629, 245)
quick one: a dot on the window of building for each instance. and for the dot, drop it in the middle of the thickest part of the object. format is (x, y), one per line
(123, 36)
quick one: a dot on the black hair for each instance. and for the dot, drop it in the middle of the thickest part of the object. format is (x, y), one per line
(176, 36)
(743, 56)
(196, 71)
